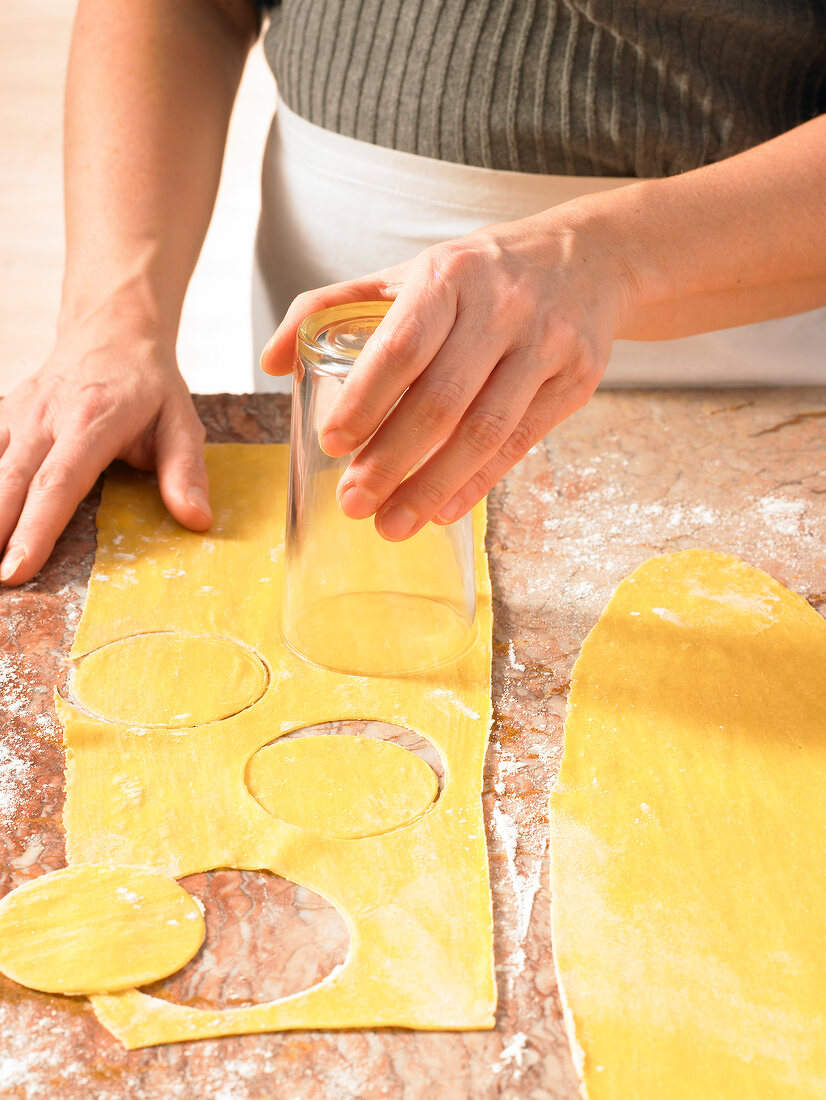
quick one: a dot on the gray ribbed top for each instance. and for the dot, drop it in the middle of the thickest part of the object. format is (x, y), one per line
(572, 87)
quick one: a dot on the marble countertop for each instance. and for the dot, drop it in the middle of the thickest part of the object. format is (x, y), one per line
(631, 475)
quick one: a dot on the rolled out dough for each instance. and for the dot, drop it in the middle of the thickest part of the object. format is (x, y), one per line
(173, 797)
(689, 839)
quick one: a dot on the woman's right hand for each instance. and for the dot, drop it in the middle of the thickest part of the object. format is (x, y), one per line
(104, 393)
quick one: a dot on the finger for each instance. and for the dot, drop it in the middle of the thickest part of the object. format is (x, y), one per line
(556, 400)
(404, 344)
(496, 421)
(66, 475)
(182, 474)
(20, 462)
(425, 416)
(279, 352)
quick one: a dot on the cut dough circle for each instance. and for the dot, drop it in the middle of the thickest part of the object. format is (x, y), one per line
(341, 786)
(97, 928)
(175, 679)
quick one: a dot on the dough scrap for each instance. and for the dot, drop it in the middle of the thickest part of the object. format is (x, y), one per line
(689, 836)
(341, 786)
(416, 898)
(96, 928)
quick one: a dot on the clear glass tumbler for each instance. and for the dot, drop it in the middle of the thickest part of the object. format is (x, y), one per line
(354, 602)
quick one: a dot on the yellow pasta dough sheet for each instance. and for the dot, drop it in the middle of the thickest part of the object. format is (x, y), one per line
(689, 839)
(181, 691)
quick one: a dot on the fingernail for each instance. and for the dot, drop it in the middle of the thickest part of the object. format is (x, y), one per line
(11, 562)
(451, 510)
(198, 499)
(337, 443)
(397, 522)
(358, 503)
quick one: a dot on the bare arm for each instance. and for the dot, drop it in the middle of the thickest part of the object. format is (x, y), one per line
(735, 242)
(149, 94)
(500, 335)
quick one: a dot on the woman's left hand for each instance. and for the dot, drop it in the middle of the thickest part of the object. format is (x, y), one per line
(490, 342)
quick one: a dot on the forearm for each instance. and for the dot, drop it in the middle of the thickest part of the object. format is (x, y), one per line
(735, 242)
(150, 90)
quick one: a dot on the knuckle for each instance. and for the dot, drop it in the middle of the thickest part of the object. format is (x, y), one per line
(179, 420)
(93, 410)
(304, 303)
(53, 479)
(380, 472)
(582, 350)
(449, 259)
(559, 333)
(93, 401)
(520, 440)
(582, 374)
(13, 482)
(432, 492)
(568, 341)
(440, 404)
(478, 485)
(581, 388)
(197, 431)
(455, 260)
(486, 431)
(403, 344)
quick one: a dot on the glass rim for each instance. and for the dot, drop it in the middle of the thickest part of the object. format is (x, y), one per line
(317, 357)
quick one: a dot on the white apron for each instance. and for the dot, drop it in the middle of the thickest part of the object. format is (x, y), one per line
(335, 208)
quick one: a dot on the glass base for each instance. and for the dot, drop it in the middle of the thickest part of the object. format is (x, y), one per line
(379, 633)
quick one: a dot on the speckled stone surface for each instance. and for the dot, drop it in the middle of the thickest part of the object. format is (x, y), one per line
(629, 476)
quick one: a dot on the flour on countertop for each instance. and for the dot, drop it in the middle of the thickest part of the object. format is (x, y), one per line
(595, 530)
(516, 665)
(524, 887)
(14, 772)
(512, 1053)
(15, 692)
(783, 516)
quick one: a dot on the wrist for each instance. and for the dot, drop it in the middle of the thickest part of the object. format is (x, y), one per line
(633, 260)
(111, 340)
(131, 311)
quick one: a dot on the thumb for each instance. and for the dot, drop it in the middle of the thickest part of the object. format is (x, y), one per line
(182, 473)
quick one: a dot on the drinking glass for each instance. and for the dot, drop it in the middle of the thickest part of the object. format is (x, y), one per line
(354, 602)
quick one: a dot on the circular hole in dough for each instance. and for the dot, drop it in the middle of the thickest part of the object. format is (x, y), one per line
(266, 938)
(97, 928)
(169, 679)
(347, 779)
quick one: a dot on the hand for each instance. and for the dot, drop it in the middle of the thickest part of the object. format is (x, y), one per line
(97, 398)
(491, 341)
